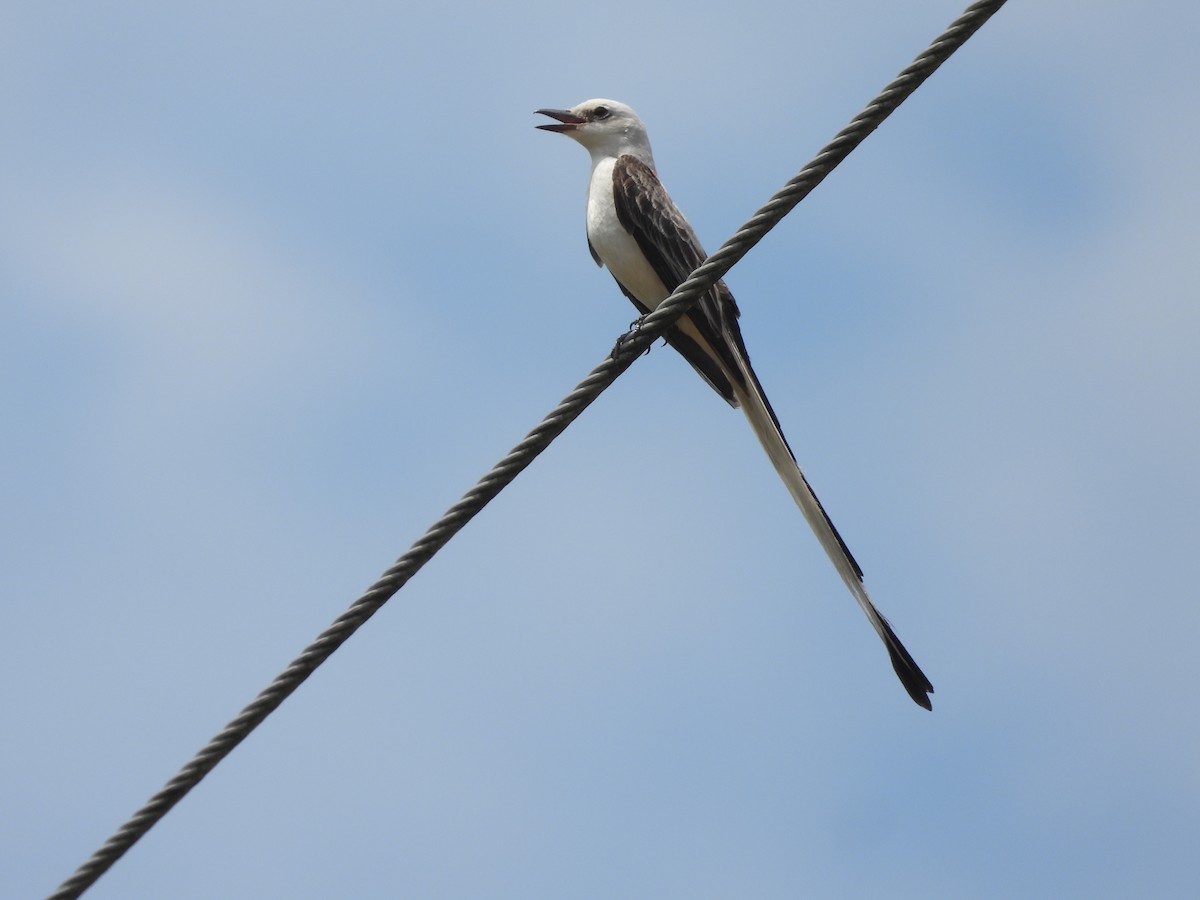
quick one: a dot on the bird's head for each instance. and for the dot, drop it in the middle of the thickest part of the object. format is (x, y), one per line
(604, 127)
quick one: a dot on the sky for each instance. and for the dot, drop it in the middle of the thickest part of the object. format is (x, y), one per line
(280, 282)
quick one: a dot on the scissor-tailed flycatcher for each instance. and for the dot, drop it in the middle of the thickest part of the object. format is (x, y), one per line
(635, 229)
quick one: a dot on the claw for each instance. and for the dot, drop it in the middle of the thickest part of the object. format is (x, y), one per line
(634, 327)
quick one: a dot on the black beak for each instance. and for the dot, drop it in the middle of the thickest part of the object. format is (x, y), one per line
(567, 120)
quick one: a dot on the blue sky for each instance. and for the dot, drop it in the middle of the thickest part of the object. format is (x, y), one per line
(278, 283)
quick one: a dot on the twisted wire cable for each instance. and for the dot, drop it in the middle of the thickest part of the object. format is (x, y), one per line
(628, 349)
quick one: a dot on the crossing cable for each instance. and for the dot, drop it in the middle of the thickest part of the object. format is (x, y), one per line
(628, 349)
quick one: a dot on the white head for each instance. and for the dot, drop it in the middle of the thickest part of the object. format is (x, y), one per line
(607, 128)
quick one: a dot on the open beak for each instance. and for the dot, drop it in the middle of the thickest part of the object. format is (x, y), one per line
(567, 120)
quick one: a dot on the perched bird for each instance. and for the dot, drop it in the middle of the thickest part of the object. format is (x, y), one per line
(635, 229)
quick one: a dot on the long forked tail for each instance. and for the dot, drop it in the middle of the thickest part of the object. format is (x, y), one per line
(766, 428)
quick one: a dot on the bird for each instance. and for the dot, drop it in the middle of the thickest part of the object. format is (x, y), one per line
(636, 231)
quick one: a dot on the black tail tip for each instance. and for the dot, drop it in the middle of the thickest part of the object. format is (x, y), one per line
(918, 686)
(920, 697)
(914, 682)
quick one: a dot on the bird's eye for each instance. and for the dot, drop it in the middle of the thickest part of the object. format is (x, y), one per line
(600, 112)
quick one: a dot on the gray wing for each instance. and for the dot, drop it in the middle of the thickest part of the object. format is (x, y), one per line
(671, 247)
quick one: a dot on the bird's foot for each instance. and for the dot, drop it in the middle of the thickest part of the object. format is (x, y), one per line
(634, 327)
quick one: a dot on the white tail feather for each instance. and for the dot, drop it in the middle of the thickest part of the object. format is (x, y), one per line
(766, 429)
(773, 442)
